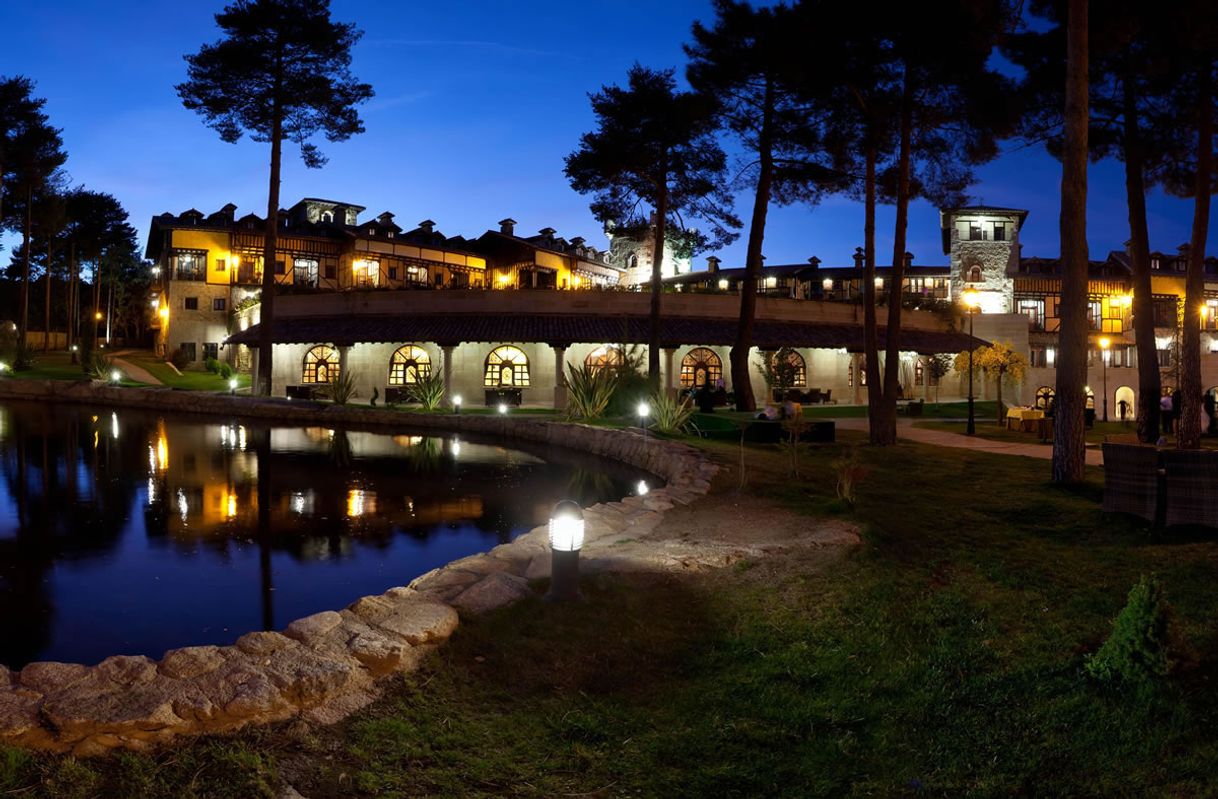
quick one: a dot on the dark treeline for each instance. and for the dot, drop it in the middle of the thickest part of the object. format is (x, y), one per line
(885, 103)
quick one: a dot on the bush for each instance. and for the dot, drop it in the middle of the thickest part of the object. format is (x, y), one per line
(670, 415)
(1138, 650)
(427, 391)
(341, 389)
(97, 366)
(212, 365)
(588, 391)
(850, 472)
(180, 358)
(226, 371)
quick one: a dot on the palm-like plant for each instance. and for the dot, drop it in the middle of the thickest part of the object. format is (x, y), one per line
(427, 391)
(589, 391)
(342, 387)
(669, 414)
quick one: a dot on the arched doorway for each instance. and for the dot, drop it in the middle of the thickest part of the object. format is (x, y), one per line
(320, 365)
(1044, 397)
(506, 367)
(605, 357)
(1126, 406)
(701, 367)
(409, 365)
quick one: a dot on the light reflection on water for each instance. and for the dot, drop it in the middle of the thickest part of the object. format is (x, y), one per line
(124, 532)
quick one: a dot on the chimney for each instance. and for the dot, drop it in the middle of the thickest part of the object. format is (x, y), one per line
(428, 226)
(908, 259)
(578, 241)
(507, 226)
(859, 257)
(385, 219)
(815, 262)
(548, 232)
(712, 264)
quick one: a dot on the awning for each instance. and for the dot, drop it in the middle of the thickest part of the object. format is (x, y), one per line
(567, 329)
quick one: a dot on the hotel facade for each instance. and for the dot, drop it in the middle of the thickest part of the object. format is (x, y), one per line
(500, 316)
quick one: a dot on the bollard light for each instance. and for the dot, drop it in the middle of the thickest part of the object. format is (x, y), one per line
(116, 376)
(503, 407)
(232, 385)
(457, 403)
(3, 368)
(642, 488)
(566, 539)
(644, 410)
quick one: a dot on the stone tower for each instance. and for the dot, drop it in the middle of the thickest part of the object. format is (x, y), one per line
(983, 246)
(633, 253)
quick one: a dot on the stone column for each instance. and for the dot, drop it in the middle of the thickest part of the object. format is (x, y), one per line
(560, 375)
(447, 350)
(671, 381)
(254, 371)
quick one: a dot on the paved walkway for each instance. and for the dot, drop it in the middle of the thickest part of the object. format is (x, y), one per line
(940, 438)
(137, 373)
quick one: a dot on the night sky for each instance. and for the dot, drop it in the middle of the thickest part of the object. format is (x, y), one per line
(477, 104)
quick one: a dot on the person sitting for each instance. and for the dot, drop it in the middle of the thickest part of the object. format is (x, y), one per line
(792, 410)
(769, 413)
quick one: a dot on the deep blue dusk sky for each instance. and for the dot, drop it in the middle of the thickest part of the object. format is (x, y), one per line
(477, 103)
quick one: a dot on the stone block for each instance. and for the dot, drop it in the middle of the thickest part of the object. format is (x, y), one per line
(311, 628)
(191, 661)
(493, 591)
(49, 676)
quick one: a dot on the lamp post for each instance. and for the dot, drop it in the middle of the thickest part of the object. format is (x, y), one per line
(503, 408)
(566, 539)
(644, 410)
(457, 404)
(971, 301)
(1105, 343)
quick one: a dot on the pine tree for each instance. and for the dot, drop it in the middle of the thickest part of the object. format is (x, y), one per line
(654, 149)
(282, 72)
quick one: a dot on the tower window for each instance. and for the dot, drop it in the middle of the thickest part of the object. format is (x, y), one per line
(973, 275)
(1000, 231)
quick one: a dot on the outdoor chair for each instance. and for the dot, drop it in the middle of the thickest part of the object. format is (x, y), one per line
(1191, 477)
(1131, 480)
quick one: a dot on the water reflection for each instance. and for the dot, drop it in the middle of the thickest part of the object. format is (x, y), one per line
(125, 532)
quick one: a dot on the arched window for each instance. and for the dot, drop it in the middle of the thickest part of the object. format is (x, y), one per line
(1044, 397)
(327, 216)
(506, 367)
(919, 373)
(792, 374)
(605, 357)
(632, 261)
(973, 275)
(409, 365)
(701, 367)
(320, 364)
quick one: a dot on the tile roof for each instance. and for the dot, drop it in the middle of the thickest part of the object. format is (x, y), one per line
(452, 329)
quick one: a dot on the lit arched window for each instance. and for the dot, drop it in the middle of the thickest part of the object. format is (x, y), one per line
(1044, 397)
(604, 357)
(320, 364)
(974, 275)
(506, 367)
(919, 373)
(632, 261)
(327, 216)
(409, 365)
(796, 368)
(701, 367)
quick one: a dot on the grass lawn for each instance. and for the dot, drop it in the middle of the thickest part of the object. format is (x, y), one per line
(51, 366)
(944, 656)
(988, 428)
(189, 379)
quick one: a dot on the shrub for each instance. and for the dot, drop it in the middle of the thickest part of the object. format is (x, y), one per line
(589, 391)
(850, 472)
(427, 391)
(670, 415)
(97, 366)
(1138, 650)
(226, 371)
(180, 358)
(211, 365)
(341, 389)
(23, 358)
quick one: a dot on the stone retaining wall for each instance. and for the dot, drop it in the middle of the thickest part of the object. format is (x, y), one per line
(327, 665)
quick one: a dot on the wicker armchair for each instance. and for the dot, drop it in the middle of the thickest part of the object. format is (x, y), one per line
(1131, 480)
(1192, 487)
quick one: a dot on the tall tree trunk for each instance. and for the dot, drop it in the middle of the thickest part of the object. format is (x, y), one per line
(1069, 452)
(266, 311)
(871, 356)
(657, 283)
(46, 302)
(1149, 382)
(742, 383)
(1188, 428)
(884, 421)
(26, 243)
(69, 320)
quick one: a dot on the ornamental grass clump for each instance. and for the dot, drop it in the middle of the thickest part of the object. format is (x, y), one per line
(669, 414)
(1139, 650)
(427, 391)
(589, 390)
(341, 389)
(850, 472)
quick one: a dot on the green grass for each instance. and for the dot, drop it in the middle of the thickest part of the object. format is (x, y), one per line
(944, 657)
(189, 379)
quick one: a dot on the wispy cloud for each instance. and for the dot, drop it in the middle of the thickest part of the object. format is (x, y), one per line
(381, 104)
(472, 44)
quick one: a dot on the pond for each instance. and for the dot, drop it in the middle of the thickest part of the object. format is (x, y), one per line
(129, 532)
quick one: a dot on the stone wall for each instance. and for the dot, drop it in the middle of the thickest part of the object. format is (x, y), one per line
(325, 666)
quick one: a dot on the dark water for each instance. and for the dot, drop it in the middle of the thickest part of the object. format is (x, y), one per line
(127, 532)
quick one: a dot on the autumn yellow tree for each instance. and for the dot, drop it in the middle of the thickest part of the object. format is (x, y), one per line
(998, 361)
